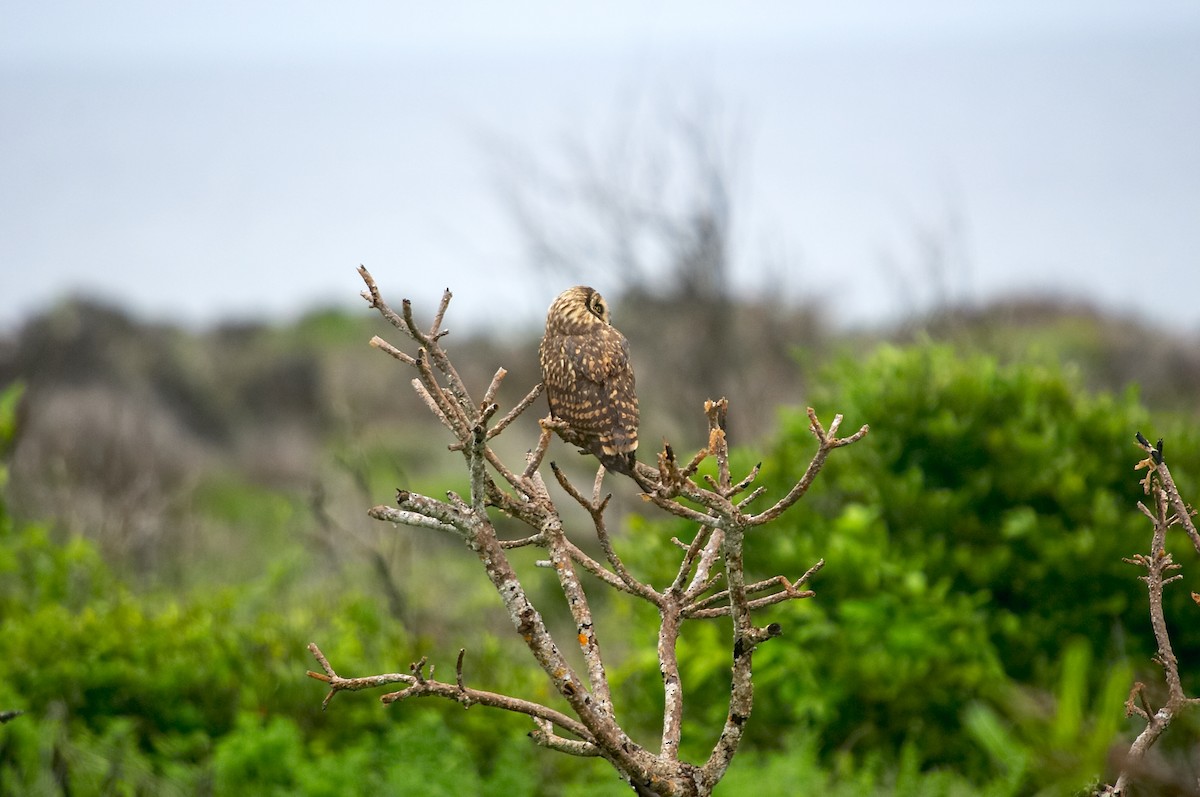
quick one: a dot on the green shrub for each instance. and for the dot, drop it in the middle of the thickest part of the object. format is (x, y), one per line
(978, 527)
(129, 694)
(974, 628)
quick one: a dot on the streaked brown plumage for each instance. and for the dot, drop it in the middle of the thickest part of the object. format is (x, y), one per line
(589, 381)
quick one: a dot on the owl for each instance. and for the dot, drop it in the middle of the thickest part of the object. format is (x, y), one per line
(589, 381)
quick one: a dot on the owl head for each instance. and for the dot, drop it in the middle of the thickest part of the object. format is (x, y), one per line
(577, 310)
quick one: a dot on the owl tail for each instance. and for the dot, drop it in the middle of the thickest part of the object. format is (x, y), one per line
(627, 464)
(619, 463)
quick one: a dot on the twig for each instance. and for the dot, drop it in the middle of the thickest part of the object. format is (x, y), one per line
(433, 405)
(415, 519)
(545, 736)
(828, 442)
(596, 510)
(420, 686)
(383, 345)
(375, 300)
(698, 543)
(534, 458)
(1158, 563)
(441, 312)
(1183, 512)
(699, 609)
(521, 406)
(489, 395)
(455, 412)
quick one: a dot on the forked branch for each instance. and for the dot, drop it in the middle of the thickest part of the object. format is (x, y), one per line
(712, 559)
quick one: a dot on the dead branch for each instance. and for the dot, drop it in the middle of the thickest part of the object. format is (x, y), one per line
(592, 728)
(1168, 510)
(418, 685)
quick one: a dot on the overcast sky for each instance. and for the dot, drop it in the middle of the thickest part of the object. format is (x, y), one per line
(84, 30)
(197, 160)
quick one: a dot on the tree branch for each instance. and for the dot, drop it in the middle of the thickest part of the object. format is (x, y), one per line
(418, 685)
(828, 441)
(1159, 485)
(719, 540)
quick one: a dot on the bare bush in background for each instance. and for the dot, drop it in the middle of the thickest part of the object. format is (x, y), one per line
(112, 467)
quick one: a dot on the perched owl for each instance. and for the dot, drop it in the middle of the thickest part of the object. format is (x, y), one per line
(588, 378)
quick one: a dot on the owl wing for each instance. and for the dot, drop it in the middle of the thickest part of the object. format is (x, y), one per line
(600, 357)
(603, 401)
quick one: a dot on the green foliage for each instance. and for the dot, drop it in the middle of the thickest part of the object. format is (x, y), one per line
(128, 694)
(421, 757)
(9, 397)
(973, 632)
(1054, 745)
(1003, 480)
(979, 525)
(1003, 495)
(799, 768)
(1006, 483)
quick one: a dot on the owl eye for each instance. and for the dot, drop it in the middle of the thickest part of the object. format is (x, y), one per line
(598, 306)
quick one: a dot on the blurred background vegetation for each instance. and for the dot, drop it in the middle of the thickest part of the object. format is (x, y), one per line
(184, 510)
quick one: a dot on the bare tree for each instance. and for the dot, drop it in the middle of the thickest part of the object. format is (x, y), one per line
(1168, 510)
(710, 581)
(653, 204)
(932, 278)
(649, 200)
